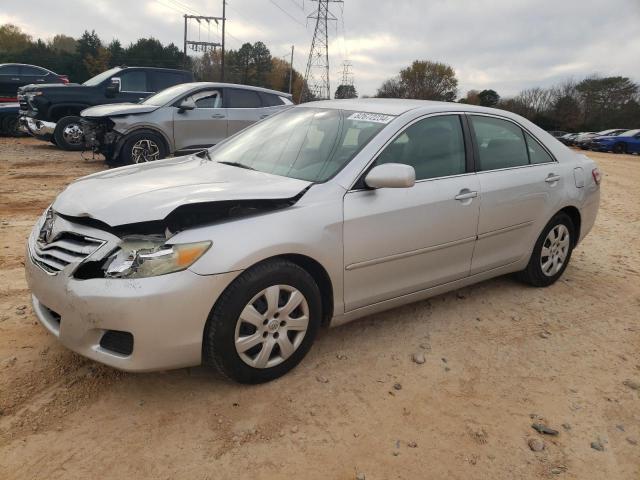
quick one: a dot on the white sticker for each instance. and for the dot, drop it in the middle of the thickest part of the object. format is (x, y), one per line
(371, 117)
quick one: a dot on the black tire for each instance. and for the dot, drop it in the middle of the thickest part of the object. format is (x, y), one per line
(127, 155)
(219, 336)
(53, 141)
(533, 274)
(9, 126)
(70, 141)
(619, 148)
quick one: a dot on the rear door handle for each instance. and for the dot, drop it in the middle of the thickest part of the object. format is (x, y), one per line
(217, 115)
(466, 194)
(551, 178)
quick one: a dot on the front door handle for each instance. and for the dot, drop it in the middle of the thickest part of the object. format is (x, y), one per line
(466, 194)
(217, 115)
(552, 178)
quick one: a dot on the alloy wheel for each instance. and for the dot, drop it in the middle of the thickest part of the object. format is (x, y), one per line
(145, 150)
(271, 326)
(555, 249)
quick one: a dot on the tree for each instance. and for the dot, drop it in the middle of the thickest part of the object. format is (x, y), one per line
(346, 91)
(488, 98)
(603, 99)
(423, 80)
(12, 39)
(97, 63)
(116, 52)
(88, 44)
(471, 98)
(63, 43)
(567, 113)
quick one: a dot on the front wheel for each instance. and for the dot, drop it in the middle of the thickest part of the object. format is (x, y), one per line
(551, 253)
(264, 323)
(68, 133)
(619, 148)
(142, 147)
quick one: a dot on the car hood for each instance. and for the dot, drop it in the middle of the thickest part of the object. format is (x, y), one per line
(115, 109)
(32, 87)
(150, 192)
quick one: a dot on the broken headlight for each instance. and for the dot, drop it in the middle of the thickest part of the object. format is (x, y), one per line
(140, 258)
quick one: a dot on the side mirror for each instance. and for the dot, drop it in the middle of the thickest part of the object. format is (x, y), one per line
(391, 175)
(114, 86)
(186, 104)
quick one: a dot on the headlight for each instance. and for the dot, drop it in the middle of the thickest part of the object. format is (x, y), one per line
(139, 258)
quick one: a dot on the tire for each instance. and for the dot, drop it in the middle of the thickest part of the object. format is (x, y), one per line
(247, 293)
(68, 134)
(143, 146)
(619, 148)
(539, 272)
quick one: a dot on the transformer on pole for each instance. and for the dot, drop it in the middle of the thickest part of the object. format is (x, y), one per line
(316, 79)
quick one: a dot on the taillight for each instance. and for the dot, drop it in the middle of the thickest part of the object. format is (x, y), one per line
(597, 176)
(64, 78)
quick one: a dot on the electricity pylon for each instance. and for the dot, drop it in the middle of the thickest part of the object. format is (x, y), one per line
(316, 78)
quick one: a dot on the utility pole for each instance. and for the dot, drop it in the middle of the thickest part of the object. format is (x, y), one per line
(199, 46)
(224, 20)
(291, 69)
(319, 88)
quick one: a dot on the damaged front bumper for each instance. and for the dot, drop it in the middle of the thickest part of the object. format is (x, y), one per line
(99, 137)
(140, 324)
(37, 128)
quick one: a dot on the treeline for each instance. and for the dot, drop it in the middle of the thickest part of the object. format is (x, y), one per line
(84, 57)
(593, 104)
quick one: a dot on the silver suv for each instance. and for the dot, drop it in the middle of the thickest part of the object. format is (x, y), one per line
(183, 118)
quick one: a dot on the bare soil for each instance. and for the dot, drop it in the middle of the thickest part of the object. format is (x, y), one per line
(499, 357)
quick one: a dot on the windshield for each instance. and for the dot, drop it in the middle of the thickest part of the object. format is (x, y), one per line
(305, 143)
(101, 77)
(168, 95)
(629, 133)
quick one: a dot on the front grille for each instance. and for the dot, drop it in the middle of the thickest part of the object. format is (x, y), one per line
(117, 342)
(65, 249)
(24, 105)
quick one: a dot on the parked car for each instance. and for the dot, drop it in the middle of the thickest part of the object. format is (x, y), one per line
(584, 140)
(567, 139)
(16, 75)
(318, 215)
(52, 112)
(626, 142)
(557, 133)
(183, 118)
(9, 119)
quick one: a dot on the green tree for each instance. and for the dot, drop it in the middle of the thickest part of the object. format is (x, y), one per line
(604, 99)
(116, 52)
(346, 91)
(488, 98)
(13, 40)
(63, 43)
(424, 80)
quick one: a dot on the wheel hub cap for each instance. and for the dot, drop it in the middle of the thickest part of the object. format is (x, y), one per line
(271, 326)
(145, 150)
(555, 249)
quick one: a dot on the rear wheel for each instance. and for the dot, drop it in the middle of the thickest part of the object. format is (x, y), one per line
(144, 146)
(68, 133)
(619, 148)
(552, 252)
(264, 323)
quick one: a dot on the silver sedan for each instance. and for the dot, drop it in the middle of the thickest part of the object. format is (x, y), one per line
(319, 215)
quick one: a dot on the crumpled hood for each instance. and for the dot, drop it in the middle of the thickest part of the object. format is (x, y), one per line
(151, 191)
(111, 110)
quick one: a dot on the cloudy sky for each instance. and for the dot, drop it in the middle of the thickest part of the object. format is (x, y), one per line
(506, 45)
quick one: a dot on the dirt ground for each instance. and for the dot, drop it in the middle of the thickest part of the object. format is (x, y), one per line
(499, 357)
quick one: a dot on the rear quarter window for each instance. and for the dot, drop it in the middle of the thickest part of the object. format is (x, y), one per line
(270, 100)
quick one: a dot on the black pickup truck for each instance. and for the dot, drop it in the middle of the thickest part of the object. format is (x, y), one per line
(51, 112)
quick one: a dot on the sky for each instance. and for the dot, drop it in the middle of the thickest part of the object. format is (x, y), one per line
(506, 45)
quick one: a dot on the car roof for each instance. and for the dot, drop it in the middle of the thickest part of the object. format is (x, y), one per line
(24, 65)
(398, 106)
(235, 85)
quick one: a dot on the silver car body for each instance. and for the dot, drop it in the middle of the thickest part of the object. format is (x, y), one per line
(369, 250)
(213, 119)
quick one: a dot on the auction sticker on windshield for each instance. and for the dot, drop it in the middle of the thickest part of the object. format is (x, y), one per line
(371, 117)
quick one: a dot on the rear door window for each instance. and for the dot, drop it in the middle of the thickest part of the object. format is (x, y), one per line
(10, 70)
(133, 81)
(25, 70)
(270, 100)
(237, 98)
(500, 143)
(161, 80)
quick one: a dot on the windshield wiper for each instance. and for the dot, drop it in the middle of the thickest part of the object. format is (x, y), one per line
(238, 164)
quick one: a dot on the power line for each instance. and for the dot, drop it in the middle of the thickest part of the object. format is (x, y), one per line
(288, 14)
